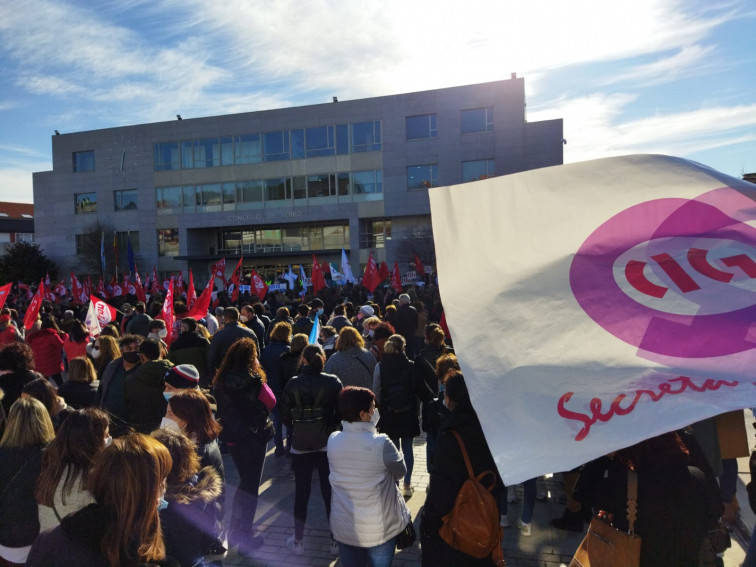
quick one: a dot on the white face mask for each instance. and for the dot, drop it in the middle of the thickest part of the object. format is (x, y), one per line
(375, 417)
(244, 318)
(95, 353)
(162, 333)
(446, 403)
(108, 440)
(167, 423)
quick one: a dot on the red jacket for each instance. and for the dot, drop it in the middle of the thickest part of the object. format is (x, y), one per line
(47, 347)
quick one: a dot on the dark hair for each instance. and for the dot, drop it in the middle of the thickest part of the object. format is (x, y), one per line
(42, 390)
(434, 334)
(186, 462)
(190, 322)
(129, 340)
(16, 356)
(71, 455)
(150, 348)
(456, 389)
(231, 313)
(258, 309)
(353, 400)
(328, 331)
(140, 307)
(303, 310)
(242, 356)
(157, 324)
(314, 356)
(339, 309)
(194, 408)
(78, 332)
(48, 322)
(110, 330)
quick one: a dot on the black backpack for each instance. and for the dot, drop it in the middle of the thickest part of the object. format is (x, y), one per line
(311, 428)
(397, 395)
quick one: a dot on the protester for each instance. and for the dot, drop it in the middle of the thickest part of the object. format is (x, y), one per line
(310, 407)
(143, 390)
(450, 472)
(75, 344)
(231, 332)
(28, 430)
(122, 528)
(42, 390)
(46, 342)
(282, 316)
(80, 389)
(103, 351)
(239, 384)
(111, 395)
(248, 316)
(367, 510)
(191, 348)
(8, 331)
(66, 465)
(278, 345)
(139, 324)
(395, 391)
(16, 370)
(381, 333)
(351, 362)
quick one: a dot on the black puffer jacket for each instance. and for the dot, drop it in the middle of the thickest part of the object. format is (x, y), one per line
(19, 519)
(239, 409)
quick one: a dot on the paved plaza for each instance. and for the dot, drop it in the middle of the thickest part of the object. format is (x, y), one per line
(546, 547)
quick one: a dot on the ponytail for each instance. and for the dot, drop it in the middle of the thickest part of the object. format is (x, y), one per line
(314, 356)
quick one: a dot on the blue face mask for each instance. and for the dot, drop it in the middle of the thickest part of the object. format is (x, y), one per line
(162, 504)
(167, 396)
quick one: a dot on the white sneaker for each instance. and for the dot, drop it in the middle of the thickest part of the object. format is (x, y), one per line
(523, 527)
(504, 521)
(294, 546)
(511, 494)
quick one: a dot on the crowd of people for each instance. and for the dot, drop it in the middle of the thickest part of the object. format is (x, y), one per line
(111, 447)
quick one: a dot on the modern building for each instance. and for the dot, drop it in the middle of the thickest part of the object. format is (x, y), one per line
(16, 224)
(276, 186)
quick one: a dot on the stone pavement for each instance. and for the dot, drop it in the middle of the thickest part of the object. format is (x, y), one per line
(546, 547)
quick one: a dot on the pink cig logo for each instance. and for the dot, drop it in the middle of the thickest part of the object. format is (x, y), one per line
(674, 277)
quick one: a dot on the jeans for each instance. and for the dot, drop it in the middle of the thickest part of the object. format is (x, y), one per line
(277, 427)
(530, 487)
(409, 456)
(378, 556)
(249, 457)
(303, 464)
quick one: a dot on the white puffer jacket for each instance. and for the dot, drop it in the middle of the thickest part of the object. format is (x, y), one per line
(367, 508)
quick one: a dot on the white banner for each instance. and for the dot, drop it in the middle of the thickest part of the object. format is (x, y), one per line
(620, 303)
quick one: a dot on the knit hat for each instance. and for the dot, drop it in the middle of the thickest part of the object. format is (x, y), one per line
(183, 376)
(367, 311)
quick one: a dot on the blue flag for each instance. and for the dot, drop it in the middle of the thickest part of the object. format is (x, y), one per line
(315, 331)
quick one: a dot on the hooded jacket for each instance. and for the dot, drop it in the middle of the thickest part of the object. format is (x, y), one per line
(145, 404)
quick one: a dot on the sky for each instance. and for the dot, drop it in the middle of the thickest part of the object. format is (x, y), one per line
(676, 77)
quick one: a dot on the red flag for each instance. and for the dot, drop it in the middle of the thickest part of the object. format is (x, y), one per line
(105, 312)
(191, 295)
(33, 310)
(128, 287)
(318, 281)
(101, 289)
(76, 290)
(155, 281)
(87, 289)
(370, 278)
(116, 287)
(199, 310)
(180, 282)
(49, 295)
(4, 292)
(236, 279)
(396, 278)
(383, 271)
(60, 289)
(219, 269)
(259, 287)
(139, 288)
(167, 313)
(419, 266)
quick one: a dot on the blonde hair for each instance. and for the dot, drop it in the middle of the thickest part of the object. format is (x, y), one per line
(81, 369)
(349, 337)
(28, 424)
(394, 344)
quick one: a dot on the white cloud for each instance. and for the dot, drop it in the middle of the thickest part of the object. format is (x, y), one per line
(687, 61)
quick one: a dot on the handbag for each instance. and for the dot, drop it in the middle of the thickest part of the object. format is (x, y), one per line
(606, 546)
(719, 537)
(407, 536)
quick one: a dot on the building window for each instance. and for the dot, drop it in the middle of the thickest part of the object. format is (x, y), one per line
(206, 153)
(278, 189)
(247, 149)
(422, 176)
(83, 161)
(125, 200)
(227, 150)
(323, 185)
(168, 242)
(366, 136)
(122, 241)
(421, 127)
(209, 198)
(167, 199)
(248, 193)
(24, 237)
(477, 120)
(375, 234)
(189, 198)
(85, 203)
(476, 170)
(167, 156)
(276, 146)
(321, 141)
(81, 243)
(367, 182)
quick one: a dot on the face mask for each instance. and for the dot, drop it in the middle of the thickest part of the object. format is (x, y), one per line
(95, 353)
(375, 417)
(167, 423)
(244, 318)
(162, 504)
(162, 333)
(441, 388)
(108, 441)
(370, 333)
(320, 311)
(446, 404)
(168, 396)
(131, 357)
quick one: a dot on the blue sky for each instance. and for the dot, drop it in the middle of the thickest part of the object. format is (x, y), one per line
(640, 76)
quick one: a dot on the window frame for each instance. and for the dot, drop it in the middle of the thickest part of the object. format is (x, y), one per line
(431, 126)
(424, 183)
(119, 193)
(488, 120)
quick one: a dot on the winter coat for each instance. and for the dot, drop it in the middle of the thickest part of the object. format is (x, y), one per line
(191, 348)
(239, 408)
(354, 367)
(189, 522)
(75, 500)
(396, 422)
(270, 359)
(13, 383)
(222, 341)
(447, 476)
(19, 470)
(289, 366)
(74, 349)
(47, 346)
(366, 506)
(78, 395)
(145, 404)
(139, 324)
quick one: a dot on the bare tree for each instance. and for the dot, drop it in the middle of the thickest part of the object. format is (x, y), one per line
(418, 241)
(99, 237)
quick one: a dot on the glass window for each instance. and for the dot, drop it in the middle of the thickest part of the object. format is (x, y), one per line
(276, 145)
(187, 154)
(229, 196)
(366, 136)
(81, 243)
(167, 156)
(125, 200)
(167, 199)
(318, 185)
(231, 240)
(421, 127)
(478, 169)
(209, 197)
(206, 153)
(342, 184)
(269, 237)
(299, 183)
(24, 237)
(314, 236)
(247, 149)
(277, 189)
(292, 238)
(85, 203)
(83, 161)
(333, 237)
(367, 182)
(422, 176)
(122, 240)
(321, 141)
(342, 139)
(249, 192)
(168, 242)
(375, 234)
(297, 144)
(477, 120)
(189, 198)
(227, 150)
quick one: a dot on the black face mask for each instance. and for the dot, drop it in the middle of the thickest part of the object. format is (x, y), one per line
(131, 357)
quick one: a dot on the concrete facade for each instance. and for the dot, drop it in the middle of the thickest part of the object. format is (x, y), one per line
(117, 160)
